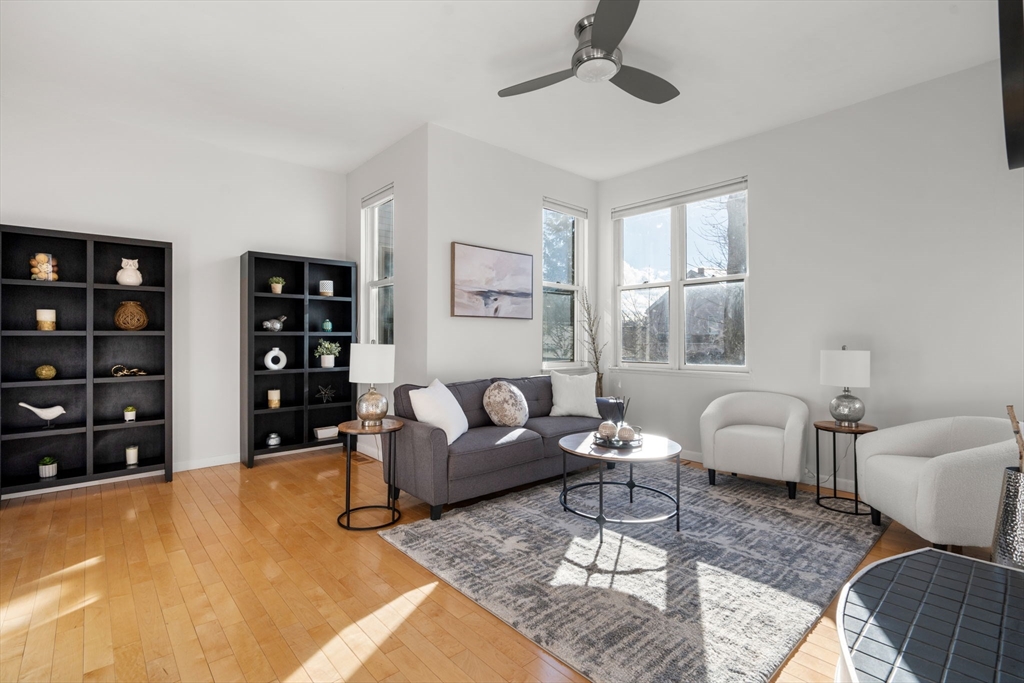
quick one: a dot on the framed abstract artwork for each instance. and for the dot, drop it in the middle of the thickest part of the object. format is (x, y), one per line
(491, 283)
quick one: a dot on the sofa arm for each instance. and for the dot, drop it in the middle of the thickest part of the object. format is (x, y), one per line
(958, 494)
(421, 462)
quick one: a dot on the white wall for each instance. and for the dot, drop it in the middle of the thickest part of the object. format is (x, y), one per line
(484, 195)
(65, 171)
(892, 225)
(449, 187)
(405, 165)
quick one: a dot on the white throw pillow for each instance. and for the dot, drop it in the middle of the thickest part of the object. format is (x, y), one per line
(506, 405)
(437, 406)
(574, 395)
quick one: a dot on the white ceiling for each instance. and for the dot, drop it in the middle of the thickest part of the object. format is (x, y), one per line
(330, 84)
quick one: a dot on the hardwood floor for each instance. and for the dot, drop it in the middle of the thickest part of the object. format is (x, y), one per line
(229, 574)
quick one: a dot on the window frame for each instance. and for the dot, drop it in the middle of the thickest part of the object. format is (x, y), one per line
(372, 284)
(579, 215)
(678, 282)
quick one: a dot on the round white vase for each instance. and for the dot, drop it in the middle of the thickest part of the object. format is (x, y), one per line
(275, 359)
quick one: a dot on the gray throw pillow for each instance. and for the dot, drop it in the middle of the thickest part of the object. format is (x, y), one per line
(506, 405)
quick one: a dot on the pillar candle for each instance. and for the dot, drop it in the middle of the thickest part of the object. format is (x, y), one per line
(46, 319)
(274, 398)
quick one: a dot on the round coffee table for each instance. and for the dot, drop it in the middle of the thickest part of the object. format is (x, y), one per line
(653, 449)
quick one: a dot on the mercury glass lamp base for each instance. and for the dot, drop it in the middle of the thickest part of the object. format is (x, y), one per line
(372, 408)
(846, 409)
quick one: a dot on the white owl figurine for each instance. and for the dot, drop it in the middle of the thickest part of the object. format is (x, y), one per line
(129, 273)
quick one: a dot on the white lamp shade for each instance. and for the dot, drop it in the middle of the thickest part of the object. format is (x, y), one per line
(372, 363)
(846, 368)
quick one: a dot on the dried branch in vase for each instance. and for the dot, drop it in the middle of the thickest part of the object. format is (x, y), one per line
(591, 320)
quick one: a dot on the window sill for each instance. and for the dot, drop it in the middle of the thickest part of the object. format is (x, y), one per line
(564, 367)
(744, 374)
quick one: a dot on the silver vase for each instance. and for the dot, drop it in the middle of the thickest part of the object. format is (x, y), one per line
(1008, 539)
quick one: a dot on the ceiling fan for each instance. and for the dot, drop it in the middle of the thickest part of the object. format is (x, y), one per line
(598, 57)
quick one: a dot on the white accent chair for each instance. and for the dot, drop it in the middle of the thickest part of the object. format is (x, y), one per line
(756, 433)
(939, 478)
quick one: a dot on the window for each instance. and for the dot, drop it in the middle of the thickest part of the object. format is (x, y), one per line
(563, 228)
(682, 279)
(379, 241)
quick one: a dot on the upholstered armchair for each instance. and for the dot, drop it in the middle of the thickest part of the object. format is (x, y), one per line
(939, 478)
(756, 433)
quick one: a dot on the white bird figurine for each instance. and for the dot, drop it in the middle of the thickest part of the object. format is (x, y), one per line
(46, 413)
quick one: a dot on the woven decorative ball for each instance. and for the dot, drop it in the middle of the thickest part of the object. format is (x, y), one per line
(46, 372)
(130, 316)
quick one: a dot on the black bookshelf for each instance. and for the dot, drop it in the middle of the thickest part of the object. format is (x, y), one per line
(89, 440)
(301, 378)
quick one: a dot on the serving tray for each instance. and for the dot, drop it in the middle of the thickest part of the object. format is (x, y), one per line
(615, 443)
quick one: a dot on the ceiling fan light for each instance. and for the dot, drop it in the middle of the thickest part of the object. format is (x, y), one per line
(596, 70)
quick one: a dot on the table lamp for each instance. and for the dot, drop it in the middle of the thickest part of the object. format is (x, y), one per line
(370, 364)
(846, 369)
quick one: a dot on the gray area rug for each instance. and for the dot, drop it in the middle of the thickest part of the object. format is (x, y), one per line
(724, 599)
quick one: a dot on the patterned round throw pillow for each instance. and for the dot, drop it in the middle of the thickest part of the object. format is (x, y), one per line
(506, 405)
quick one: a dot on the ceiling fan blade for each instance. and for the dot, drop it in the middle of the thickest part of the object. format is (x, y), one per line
(536, 83)
(611, 21)
(644, 85)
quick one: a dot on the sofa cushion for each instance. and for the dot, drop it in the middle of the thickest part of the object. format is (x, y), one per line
(506, 405)
(470, 396)
(484, 449)
(554, 428)
(536, 390)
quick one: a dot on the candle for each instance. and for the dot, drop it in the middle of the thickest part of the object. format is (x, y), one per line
(274, 398)
(46, 319)
(131, 455)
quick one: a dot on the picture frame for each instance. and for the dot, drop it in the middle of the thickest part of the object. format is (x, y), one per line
(491, 283)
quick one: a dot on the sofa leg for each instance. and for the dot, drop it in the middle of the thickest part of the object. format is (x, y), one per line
(735, 475)
(940, 546)
(711, 477)
(611, 466)
(791, 485)
(435, 512)
(876, 517)
(395, 492)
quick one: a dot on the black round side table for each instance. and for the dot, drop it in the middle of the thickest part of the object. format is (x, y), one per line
(356, 428)
(831, 426)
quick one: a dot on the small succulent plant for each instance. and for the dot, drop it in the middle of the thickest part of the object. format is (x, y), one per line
(47, 460)
(326, 348)
(276, 280)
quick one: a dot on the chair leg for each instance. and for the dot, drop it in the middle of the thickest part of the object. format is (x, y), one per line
(791, 485)
(711, 477)
(940, 546)
(735, 475)
(435, 512)
(876, 517)
(611, 466)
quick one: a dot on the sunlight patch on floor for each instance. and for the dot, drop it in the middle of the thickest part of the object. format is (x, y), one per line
(402, 606)
(621, 564)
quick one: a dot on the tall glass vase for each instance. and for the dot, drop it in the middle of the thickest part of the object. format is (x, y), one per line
(1008, 539)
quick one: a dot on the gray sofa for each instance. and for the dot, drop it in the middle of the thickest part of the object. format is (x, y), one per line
(487, 458)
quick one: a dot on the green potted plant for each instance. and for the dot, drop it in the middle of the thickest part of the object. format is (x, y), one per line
(47, 467)
(129, 414)
(326, 351)
(276, 283)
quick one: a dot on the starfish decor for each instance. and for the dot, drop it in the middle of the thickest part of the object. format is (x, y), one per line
(326, 393)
